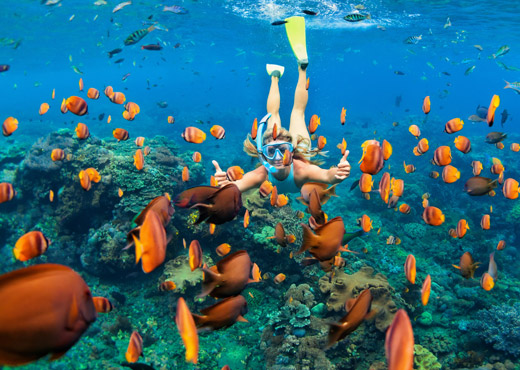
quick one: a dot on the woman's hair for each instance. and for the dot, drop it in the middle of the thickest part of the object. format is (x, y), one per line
(301, 152)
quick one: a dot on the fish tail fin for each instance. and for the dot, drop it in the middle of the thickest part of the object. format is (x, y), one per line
(336, 333)
(332, 191)
(138, 249)
(203, 211)
(493, 184)
(309, 239)
(211, 280)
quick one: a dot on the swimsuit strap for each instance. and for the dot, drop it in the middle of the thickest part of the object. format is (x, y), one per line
(285, 186)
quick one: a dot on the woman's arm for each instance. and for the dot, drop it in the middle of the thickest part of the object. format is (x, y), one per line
(250, 180)
(331, 176)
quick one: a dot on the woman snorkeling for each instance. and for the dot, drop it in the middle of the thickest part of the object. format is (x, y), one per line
(285, 155)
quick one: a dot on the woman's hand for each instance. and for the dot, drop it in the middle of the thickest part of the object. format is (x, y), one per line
(221, 176)
(343, 167)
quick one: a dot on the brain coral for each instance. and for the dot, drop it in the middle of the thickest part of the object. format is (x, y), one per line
(344, 287)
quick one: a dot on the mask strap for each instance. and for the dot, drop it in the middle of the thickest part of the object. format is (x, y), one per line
(259, 137)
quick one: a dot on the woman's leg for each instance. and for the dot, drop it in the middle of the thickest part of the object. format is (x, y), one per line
(301, 96)
(273, 104)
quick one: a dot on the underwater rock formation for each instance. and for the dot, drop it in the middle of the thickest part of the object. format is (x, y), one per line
(178, 270)
(344, 287)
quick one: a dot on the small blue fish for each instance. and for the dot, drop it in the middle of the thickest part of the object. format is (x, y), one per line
(175, 9)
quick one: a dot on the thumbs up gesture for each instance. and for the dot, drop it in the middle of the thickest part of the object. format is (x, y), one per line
(343, 167)
(220, 175)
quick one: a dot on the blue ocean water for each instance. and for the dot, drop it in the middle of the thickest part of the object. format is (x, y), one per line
(211, 70)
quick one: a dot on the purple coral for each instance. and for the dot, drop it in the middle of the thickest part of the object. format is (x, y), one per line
(499, 326)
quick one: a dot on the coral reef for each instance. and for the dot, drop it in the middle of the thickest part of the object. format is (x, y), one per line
(424, 359)
(343, 287)
(178, 270)
(300, 294)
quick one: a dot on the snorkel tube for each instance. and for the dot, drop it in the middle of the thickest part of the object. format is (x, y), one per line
(259, 138)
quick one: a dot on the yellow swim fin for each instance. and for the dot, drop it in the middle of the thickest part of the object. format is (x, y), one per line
(295, 28)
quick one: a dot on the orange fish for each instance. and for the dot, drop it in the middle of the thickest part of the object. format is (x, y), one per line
(307, 83)
(497, 169)
(139, 141)
(223, 249)
(321, 142)
(109, 119)
(442, 156)
(485, 222)
(187, 330)
(404, 208)
(462, 227)
(82, 131)
(10, 125)
(384, 187)
(511, 189)
(387, 150)
(84, 180)
(423, 146)
(57, 154)
(434, 174)
(196, 157)
(171, 120)
(212, 228)
(314, 123)
(213, 181)
(44, 107)
(515, 147)
(93, 93)
(279, 278)
(254, 129)
(372, 160)
(102, 304)
(342, 146)
(193, 135)
(343, 115)
(80, 83)
(463, 144)
(399, 343)
(275, 131)
(326, 241)
(53, 94)
(135, 348)
(287, 158)
(426, 105)
(46, 309)
(255, 273)
(195, 255)
(501, 245)
(453, 125)
(397, 187)
(415, 130)
(235, 173)
(117, 98)
(128, 116)
(30, 245)
(76, 105)
(246, 219)
(51, 195)
(150, 247)
(146, 150)
(63, 107)
(467, 265)
(486, 282)
(281, 200)
(167, 286)
(185, 174)
(120, 134)
(138, 159)
(450, 174)
(493, 105)
(433, 216)
(132, 108)
(366, 223)
(120, 192)
(408, 168)
(93, 174)
(108, 91)
(409, 268)
(366, 183)
(218, 132)
(477, 167)
(425, 290)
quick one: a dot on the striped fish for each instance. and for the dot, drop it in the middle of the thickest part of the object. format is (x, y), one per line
(138, 35)
(413, 39)
(356, 17)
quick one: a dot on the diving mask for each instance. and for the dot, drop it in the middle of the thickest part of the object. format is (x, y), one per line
(270, 151)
